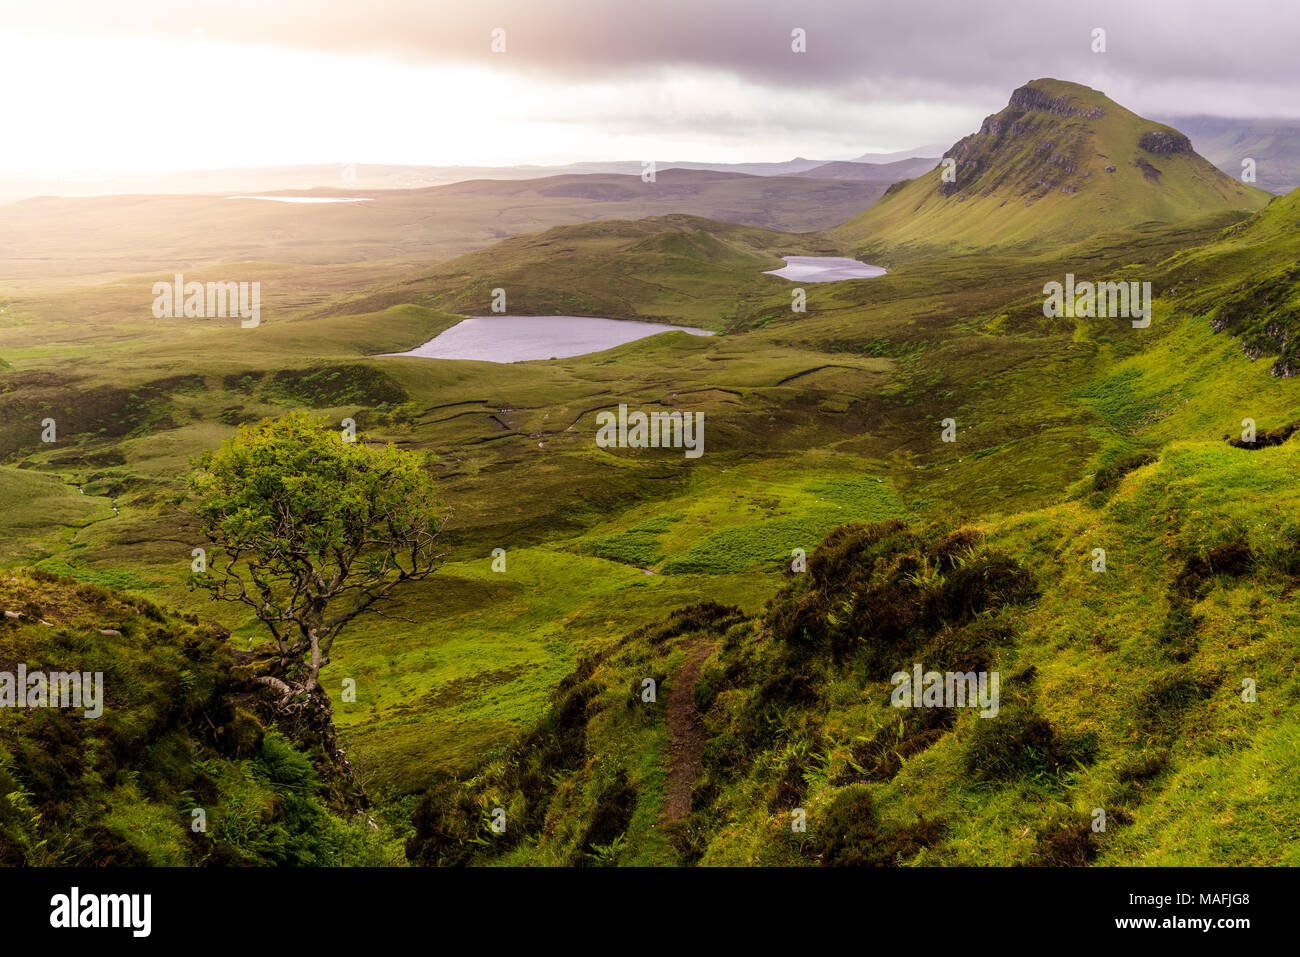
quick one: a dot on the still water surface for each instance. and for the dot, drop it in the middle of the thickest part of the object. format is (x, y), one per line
(520, 338)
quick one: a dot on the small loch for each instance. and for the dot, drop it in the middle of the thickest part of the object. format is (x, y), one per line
(309, 200)
(825, 269)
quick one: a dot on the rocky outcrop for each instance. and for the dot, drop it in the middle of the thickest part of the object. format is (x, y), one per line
(1032, 98)
(1165, 142)
(1148, 171)
(1050, 165)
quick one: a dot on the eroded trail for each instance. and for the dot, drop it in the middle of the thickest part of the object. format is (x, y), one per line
(686, 731)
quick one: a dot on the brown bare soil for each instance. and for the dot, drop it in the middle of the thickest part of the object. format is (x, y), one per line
(686, 731)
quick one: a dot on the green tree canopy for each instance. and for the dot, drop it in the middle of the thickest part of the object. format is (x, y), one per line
(310, 530)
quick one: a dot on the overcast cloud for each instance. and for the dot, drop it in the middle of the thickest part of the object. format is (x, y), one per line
(715, 76)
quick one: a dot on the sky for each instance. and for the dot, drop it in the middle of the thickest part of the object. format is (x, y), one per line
(151, 85)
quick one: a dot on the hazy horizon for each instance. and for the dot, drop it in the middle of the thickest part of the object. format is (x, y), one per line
(209, 86)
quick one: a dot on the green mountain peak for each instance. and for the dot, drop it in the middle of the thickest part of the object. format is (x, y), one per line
(1059, 163)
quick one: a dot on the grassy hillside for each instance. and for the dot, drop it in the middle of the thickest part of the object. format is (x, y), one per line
(1249, 284)
(179, 732)
(676, 268)
(1121, 690)
(1060, 164)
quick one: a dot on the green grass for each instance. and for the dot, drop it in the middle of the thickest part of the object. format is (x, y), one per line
(850, 392)
(40, 512)
(1186, 771)
(812, 420)
(805, 516)
(174, 734)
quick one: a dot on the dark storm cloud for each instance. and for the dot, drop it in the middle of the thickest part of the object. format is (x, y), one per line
(1182, 55)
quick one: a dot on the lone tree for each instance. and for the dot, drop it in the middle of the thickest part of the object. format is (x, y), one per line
(313, 530)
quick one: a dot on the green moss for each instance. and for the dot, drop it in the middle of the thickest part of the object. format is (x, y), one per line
(121, 788)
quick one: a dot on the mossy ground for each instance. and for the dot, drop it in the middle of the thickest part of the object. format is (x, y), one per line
(176, 736)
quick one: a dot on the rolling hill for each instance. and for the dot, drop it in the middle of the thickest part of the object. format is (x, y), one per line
(680, 268)
(51, 237)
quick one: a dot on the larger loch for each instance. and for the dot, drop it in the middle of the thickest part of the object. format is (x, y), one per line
(523, 338)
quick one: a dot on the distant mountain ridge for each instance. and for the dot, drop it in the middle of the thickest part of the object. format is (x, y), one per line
(1274, 145)
(884, 172)
(371, 176)
(83, 235)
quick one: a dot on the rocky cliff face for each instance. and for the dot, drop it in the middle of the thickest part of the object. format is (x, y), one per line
(1165, 142)
(1029, 147)
(1020, 147)
(1032, 98)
